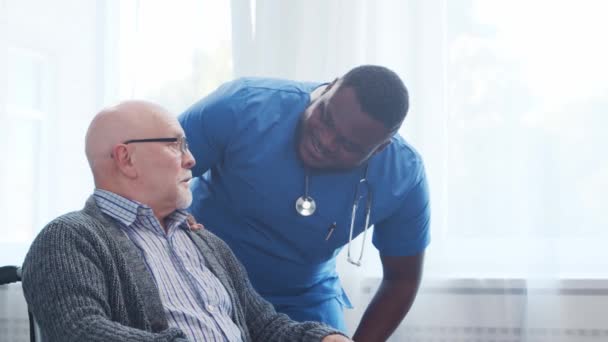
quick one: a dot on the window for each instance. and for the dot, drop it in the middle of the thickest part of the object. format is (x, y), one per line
(526, 94)
(61, 62)
(22, 125)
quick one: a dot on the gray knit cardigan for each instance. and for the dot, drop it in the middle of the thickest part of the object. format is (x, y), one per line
(84, 280)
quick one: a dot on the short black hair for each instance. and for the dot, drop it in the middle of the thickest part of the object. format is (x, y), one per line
(381, 93)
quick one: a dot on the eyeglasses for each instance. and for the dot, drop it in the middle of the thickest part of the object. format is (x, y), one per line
(368, 207)
(183, 143)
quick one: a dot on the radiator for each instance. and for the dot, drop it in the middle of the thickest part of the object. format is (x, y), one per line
(428, 333)
(497, 311)
(14, 324)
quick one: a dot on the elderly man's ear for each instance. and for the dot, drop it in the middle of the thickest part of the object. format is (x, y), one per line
(124, 160)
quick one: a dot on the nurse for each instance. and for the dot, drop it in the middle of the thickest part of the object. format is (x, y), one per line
(288, 173)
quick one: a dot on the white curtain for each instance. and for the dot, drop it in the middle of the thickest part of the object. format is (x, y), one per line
(509, 103)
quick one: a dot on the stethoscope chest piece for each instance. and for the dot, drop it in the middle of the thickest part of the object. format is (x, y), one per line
(305, 205)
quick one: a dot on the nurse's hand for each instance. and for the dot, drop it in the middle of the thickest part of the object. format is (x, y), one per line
(336, 338)
(193, 224)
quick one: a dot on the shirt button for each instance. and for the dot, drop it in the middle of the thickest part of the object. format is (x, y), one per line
(210, 307)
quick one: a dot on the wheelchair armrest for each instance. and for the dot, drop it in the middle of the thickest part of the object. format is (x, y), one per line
(9, 274)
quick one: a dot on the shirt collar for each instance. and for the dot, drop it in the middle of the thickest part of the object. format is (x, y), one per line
(126, 211)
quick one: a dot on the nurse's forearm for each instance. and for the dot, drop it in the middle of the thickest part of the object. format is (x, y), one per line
(386, 310)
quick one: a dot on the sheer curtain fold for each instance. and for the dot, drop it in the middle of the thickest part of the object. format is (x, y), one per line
(487, 116)
(316, 39)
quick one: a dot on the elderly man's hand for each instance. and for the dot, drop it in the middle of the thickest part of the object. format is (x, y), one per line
(336, 338)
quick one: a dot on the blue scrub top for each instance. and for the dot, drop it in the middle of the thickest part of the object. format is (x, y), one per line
(243, 137)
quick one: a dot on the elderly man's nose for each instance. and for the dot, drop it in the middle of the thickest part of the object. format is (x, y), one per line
(188, 160)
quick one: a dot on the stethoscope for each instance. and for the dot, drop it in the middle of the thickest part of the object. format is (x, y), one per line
(306, 206)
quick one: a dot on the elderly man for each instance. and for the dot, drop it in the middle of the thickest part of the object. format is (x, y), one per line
(130, 266)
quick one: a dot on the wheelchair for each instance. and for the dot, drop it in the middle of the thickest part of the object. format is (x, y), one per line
(12, 274)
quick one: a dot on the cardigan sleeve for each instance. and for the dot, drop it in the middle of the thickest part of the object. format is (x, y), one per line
(67, 286)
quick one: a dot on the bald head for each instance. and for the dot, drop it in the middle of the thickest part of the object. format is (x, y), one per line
(153, 168)
(114, 125)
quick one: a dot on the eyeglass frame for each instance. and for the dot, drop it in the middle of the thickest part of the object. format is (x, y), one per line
(183, 142)
(368, 208)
